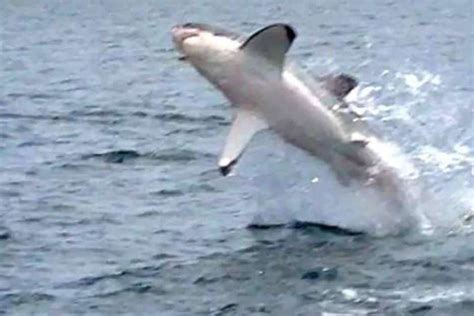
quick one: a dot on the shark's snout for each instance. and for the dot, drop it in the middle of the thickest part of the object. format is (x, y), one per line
(182, 32)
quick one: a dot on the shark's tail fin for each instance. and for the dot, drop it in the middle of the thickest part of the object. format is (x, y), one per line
(339, 85)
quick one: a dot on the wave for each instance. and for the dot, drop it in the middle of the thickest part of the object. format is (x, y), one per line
(165, 156)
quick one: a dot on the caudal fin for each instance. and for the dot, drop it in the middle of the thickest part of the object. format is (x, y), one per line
(339, 85)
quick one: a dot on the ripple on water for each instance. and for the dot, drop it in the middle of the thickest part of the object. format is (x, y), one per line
(184, 118)
(165, 156)
(139, 272)
(168, 193)
(20, 298)
(179, 155)
(32, 96)
(116, 156)
(35, 117)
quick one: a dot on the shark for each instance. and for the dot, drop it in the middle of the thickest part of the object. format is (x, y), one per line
(267, 95)
(267, 92)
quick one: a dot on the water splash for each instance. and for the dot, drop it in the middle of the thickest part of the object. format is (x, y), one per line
(319, 197)
(296, 187)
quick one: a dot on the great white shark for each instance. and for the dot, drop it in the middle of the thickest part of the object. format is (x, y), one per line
(268, 94)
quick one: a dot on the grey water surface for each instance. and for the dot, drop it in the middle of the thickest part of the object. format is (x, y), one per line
(110, 199)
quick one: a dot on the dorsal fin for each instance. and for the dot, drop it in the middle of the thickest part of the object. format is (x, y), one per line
(271, 42)
(339, 85)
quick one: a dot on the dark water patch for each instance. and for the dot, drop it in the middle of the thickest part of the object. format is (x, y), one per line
(185, 131)
(464, 307)
(310, 227)
(210, 174)
(203, 187)
(32, 219)
(422, 309)
(17, 116)
(370, 16)
(178, 155)
(217, 119)
(116, 156)
(227, 309)
(468, 219)
(161, 231)
(4, 234)
(259, 309)
(176, 117)
(163, 256)
(430, 269)
(165, 156)
(20, 298)
(203, 280)
(140, 114)
(55, 41)
(31, 144)
(15, 49)
(168, 193)
(88, 281)
(142, 272)
(74, 166)
(149, 214)
(321, 273)
(198, 130)
(65, 222)
(184, 118)
(15, 95)
(324, 228)
(10, 193)
(65, 81)
(96, 113)
(135, 288)
(261, 244)
(265, 226)
(75, 89)
(31, 96)
(46, 71)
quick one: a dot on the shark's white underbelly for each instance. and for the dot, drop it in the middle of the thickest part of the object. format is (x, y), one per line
(291, 110)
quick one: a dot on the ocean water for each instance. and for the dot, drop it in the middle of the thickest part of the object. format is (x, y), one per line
(111, 202)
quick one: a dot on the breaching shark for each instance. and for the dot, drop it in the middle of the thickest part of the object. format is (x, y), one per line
(267, 94)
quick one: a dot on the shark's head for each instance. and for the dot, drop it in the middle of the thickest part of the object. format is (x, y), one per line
(222, 56)
(204, 45)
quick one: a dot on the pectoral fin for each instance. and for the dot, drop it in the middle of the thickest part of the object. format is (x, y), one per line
(246, 124)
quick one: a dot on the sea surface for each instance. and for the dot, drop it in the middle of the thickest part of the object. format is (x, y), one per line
(111, 202)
